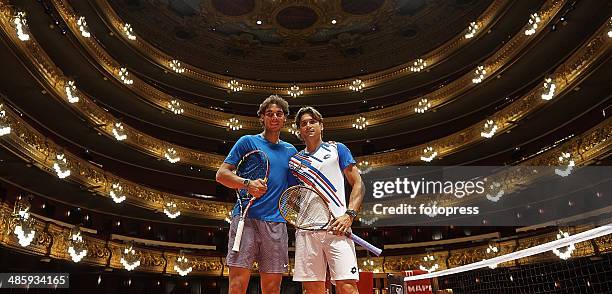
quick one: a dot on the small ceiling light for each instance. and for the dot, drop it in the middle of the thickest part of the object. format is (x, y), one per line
(119, 132)
(175, 107)
(5, 127)
(429, 264)
(71, 92)
(234, 86)
(334, 21)
(77, 248)
(549, 88)
(418, 65)
(130, 258)
(83, 27)
(295, 91)
(489, 129)
(567, 253)
(233, 124)
(171, 209)
(61, 166)
(422, 106)
(181, 265)
(116, 193)
(471, 30)
(124, 76)
(176, 66)
(479, 74)
(171, 155)
(357, 85)
(534, 19)
(566, 164)
(129, 33)
(259, 22)
(21, 26)
(361, 123)
(429, 154)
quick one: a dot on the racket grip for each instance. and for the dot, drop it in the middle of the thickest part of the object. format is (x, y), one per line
(363, 243)
(238, 237)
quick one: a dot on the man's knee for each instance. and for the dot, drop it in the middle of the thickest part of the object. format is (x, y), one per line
(347, 287)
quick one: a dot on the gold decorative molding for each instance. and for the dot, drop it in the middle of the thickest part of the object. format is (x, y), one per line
(51, 242)
(30, 143)
(439, 97)
(568, 73)
(220, 81)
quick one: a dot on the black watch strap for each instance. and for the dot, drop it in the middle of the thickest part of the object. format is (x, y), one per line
(351, 213)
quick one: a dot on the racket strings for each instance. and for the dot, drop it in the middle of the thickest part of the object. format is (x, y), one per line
(304, 209)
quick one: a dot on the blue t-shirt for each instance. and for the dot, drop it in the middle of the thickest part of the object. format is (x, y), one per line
(266, 207)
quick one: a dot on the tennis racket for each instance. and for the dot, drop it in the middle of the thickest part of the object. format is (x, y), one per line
(253, 165)
(306, 209)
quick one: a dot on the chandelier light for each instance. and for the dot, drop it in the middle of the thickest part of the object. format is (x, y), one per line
(567, 164)
(532, 26)
(489, 129)
(171, 209)
(610, 28)
(181, 265)
(130, 259)
(471, 30)
(364, 167)
(569, 249)
(361, 123)
(295, 91)
(5, 127)
(21, 26)
(357, 85)
(495, 192)
(176, 66)
(116, 193)
(25, 229)
(172, 155)
(175, 107)
(418, 65)
(429, 264)
(77, 248)
(234, 86)
(83, 27)
(549, 87)
(293, 129)
(129, 33)
(492, 251)
(233, 124)
(124, 76)
(71, 92)
(119, 132)
(61, 166)
(429, 154)
(422, 106)
(479, 74)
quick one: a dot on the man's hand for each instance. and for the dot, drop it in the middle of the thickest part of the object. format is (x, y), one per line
(257, 188)
(341, 225)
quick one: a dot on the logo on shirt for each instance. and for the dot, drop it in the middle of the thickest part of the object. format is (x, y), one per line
(353, 270)
(327, 156)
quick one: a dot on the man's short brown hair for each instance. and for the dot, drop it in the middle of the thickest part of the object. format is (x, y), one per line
(307, 110)
(273, 99)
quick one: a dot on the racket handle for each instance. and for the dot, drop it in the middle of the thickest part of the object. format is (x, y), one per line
(363, 243)
(238, 237)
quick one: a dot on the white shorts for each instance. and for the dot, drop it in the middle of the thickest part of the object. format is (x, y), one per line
(317, 250)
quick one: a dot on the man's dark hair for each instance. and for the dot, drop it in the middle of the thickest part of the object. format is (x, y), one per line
(307, 110)
(273, 99)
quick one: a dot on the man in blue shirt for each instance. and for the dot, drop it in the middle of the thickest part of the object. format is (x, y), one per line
(264, 238)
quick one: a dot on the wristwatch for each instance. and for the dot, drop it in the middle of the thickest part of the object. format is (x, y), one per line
(351, 213)
(246, 183)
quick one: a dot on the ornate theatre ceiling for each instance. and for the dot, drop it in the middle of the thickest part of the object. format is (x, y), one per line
(280, 40)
